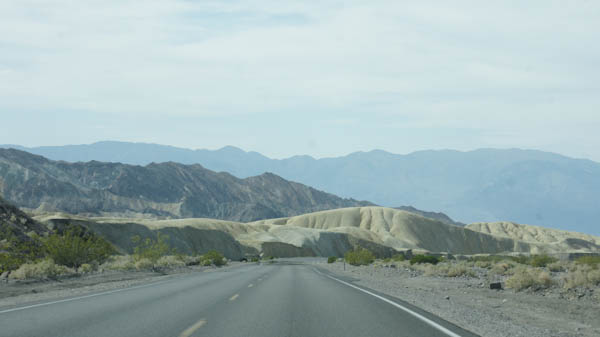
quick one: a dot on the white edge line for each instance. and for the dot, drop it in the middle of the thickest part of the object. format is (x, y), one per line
(417, 315)
(80, 297)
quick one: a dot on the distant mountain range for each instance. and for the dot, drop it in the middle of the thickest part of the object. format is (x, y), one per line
(524, 186)
(169, 190)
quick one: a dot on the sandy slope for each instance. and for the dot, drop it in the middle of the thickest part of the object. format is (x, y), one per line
(530, 233)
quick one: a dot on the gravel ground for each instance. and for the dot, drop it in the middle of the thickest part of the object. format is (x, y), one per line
(15, 293)
(469, 303)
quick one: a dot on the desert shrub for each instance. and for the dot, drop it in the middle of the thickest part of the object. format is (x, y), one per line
(522, 259)
(75, 247)
(582, 277)
(143, 264)
(398, 257)
(446, 269)
(87, 268)
(331, 259)
(524, 278)
(483, 264)
(40, 270)
(119, 262)
(216, 258)
(592, 261)
(503, 268)
(359, 257)
(170, 261)
(420, 259)
(431, 270)
(541, 260)
(491, 259)
(557, 267)
(460, 269)
(151, 249)
(192, 260)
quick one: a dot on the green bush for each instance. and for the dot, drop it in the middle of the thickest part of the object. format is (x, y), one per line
(398, 257)
(592, 261)
(359, 257)
(331, 259)
(522, 259)
(75, 247)
(216, 258)
(488, 259)
(9, 262)
(420, 259)
(151, 249)
(254, 259)
(14, 253)
(541, 260)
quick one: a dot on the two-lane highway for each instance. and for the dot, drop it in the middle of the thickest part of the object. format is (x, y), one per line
(255, 300)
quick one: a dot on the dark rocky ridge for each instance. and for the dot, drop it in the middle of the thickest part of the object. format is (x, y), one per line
(14, 223)
(168, 190)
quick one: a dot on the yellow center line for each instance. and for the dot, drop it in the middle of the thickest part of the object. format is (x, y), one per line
(189, 331)
(250, 285)
(233, 298)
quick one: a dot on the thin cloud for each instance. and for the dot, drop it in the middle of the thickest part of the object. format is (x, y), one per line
(526, 71)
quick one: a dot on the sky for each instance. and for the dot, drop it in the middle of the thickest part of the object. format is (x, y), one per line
(323, 78)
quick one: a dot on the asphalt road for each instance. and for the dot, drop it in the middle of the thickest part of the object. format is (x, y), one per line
(277, 300)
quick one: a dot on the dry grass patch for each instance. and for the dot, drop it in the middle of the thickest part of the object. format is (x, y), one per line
(558, 267)
(40, 270)
(583, 276)
(144, 264)
(170, 261)
(446, 269)
(87, 268)
(503, 268)
(119, 262)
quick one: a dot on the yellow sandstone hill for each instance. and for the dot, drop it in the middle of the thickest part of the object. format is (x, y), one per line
(333, 232)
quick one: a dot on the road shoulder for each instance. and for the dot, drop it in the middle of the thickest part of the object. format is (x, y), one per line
(466, 304)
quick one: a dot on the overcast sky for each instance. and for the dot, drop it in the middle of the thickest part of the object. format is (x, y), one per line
(323, 78)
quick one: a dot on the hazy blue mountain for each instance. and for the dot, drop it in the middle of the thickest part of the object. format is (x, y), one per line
(524, 186)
